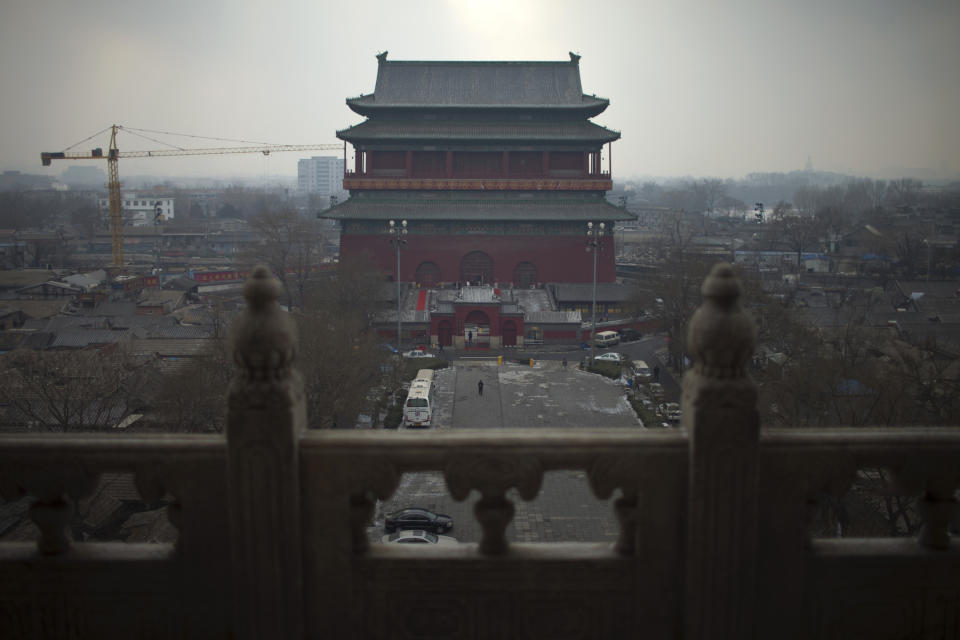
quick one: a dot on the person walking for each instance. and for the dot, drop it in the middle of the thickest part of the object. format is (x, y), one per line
(564, 363)
(480, 387)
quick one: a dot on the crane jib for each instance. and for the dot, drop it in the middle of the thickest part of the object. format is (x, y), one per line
(113, 181)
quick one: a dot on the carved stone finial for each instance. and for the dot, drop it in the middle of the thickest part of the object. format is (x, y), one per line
(721, 336)
(263, 341)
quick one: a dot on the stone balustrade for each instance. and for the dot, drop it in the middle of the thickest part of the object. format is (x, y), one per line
(272, 521)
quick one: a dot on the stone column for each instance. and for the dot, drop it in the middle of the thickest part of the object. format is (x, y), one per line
(266, 414)
(719, 414)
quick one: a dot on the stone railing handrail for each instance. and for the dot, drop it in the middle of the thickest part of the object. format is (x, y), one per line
(107, 451)
(564, 448)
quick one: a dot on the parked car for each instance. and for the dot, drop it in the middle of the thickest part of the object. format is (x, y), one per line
(670, 411)
(416, 518)
(628, 334)
(612, 356)
(416, 353)
(417, 536)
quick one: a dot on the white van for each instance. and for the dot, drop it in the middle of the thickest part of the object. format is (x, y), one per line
(606, 338)
(417, 408)
(641, 371)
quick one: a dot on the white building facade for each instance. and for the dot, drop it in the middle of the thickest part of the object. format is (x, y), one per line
(320, 174)
(140, 210)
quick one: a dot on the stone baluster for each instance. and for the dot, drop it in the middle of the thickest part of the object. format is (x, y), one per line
(155, 481)
(719, 414)
(367, 480)
(56, 489)
(939, 507)
(266, 415)
(492, 476)
(606, 475)
(827, 476)
(935, 482)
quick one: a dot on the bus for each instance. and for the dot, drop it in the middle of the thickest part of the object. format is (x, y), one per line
(417, 408)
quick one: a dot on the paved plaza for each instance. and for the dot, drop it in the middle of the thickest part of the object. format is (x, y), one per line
(519, 396)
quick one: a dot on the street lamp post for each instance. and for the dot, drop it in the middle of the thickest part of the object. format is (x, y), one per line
(594, 242)
(398, 234)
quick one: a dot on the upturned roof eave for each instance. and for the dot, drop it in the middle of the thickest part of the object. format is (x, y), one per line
(365, 106)
(613, 136)
(347, 210)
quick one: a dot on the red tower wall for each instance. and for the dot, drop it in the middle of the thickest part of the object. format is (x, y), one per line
(557, 258)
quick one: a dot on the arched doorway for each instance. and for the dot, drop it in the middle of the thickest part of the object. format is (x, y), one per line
(476, 328)
(445, 333)
(524, 275)
(476, 268)
(428, 274)
(509, 333)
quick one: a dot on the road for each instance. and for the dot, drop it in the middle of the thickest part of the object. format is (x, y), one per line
(519, 396)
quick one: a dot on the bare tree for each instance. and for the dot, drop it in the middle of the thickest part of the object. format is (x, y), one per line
(191, 399)
(290, 245)
(711, 191)
(72, 390)
(904, 192)
(340, 353)
(910, 250)
(797, 233)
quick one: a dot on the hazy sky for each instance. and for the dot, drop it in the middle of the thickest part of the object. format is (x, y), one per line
(703, 88)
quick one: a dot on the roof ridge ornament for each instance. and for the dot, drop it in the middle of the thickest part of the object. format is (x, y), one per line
(382, 56)
(574, 58)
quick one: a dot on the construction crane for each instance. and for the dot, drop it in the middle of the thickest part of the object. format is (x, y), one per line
(113, 174)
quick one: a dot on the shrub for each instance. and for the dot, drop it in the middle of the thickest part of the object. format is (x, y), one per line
(394, 416)
(647, 416)
(608, 369)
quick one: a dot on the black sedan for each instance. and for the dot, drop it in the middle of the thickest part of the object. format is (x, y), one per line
(414, 518)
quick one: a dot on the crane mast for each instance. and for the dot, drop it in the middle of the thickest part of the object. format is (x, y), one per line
(113, 196)
(113, 171)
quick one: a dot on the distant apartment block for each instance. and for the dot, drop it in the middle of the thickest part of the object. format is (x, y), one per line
(140, 210)
(84, 176)
(320, 174)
